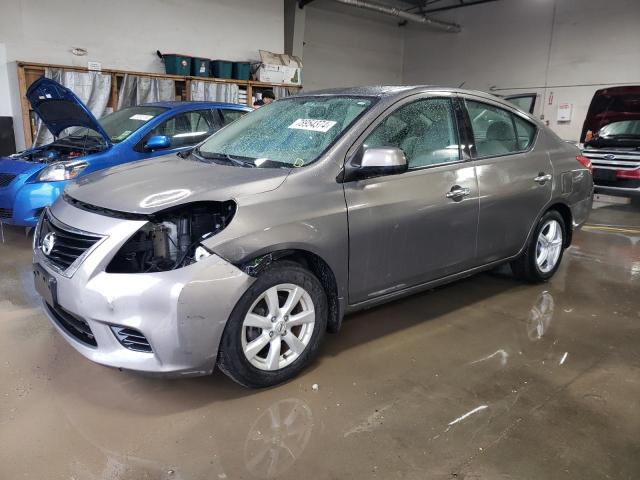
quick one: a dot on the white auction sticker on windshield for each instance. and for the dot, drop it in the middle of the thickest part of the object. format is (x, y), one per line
(313, 124)
(141, 117)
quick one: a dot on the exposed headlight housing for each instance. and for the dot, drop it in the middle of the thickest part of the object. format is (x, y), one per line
(61, 171)
(173, 238)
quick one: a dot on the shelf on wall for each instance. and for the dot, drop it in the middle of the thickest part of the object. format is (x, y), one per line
(29, 72)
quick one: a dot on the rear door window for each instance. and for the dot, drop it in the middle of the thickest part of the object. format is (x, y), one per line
(526, 132)
(494, 131)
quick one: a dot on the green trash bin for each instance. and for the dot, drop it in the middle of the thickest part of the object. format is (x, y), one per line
(221, 69)
(241, 70)
(175, 64)
(200, 67)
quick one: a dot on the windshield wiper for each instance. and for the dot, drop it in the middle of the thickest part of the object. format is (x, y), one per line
(185, 153)
(225, 158)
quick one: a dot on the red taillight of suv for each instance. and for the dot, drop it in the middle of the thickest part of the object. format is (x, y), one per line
(628, 174)
(585, 162)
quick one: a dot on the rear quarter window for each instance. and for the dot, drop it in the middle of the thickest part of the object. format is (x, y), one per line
(526, 131)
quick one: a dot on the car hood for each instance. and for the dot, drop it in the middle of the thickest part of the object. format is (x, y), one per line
(149, 186)
(59, 108)
(17, 166)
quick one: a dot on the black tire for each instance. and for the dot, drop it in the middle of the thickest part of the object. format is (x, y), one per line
(525, 266)
(231, 358)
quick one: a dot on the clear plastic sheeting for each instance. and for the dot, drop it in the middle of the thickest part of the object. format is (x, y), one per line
(214, 92)
(92, 88)
(284, 92)
(136, 90)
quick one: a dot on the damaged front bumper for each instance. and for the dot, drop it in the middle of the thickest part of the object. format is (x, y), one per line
(165, 322)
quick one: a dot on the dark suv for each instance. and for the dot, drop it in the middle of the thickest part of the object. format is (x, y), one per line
(611, 136)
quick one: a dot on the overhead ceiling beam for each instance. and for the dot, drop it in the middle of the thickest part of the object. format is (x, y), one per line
(397, 12)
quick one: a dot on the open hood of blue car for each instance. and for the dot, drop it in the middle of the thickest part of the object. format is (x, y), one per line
(59, 108)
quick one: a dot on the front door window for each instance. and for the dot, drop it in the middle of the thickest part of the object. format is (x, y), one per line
(424, 130)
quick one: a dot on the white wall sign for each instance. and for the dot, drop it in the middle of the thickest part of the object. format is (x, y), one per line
(96, 66)
(564, 112)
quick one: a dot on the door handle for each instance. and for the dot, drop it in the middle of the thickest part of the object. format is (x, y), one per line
(542, 178)
(458, 193)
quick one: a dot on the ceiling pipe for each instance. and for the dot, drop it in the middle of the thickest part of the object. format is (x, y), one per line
(397, 12)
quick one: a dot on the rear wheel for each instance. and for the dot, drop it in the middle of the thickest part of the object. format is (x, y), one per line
(275, 329)
(542, 257)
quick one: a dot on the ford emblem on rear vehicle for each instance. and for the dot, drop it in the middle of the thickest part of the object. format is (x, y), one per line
(48, 242)
(609, 157)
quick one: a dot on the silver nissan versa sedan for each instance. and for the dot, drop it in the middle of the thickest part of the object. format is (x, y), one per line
(243, 252)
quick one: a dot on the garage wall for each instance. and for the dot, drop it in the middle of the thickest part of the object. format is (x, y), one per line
(564, 50)
(343, 48)
(125, 34)
(5, 98)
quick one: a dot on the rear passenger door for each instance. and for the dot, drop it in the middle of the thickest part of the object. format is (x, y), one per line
(421, 225)
(514, 176)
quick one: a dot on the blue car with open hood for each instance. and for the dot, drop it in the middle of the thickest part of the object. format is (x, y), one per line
(32, 180)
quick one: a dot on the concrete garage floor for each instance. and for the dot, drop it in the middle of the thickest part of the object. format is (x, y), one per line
(483, 379)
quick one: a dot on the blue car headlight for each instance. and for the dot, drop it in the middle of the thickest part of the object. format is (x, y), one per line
(61, 171)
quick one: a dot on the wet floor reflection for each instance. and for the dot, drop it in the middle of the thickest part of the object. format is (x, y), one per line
(540, 316)
(273, 440)
(277, 438)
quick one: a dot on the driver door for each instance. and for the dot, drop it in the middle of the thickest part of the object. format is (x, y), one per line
(408, 229)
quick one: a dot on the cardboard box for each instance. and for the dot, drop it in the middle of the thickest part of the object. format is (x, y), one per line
(279, 68)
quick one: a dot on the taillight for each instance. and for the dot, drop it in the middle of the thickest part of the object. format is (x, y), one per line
(628, 174)
(585, 162)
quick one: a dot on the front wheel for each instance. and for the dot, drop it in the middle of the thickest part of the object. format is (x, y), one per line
(275, 329)
(541, 259)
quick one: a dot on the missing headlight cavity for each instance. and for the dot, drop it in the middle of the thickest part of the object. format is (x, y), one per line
(171, 239)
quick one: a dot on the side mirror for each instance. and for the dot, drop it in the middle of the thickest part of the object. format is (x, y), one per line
(157, 142)
(375, 162)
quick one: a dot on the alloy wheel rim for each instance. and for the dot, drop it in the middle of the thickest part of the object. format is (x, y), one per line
(549, 246)
(278, 327)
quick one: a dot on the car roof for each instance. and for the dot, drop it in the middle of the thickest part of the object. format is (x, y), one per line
(187, 105)
(395, 90)
(400, 91)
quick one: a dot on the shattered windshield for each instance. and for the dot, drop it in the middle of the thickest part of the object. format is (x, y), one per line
(121, 124)
(292, 133)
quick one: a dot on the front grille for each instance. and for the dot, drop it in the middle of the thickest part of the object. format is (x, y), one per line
(6, 213)
(68, 243)
(74, 326)
(132, 339)
(622, 159)
(6, 179)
